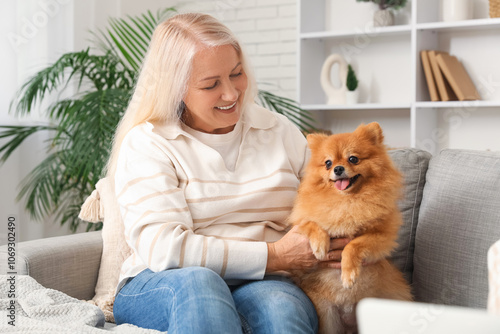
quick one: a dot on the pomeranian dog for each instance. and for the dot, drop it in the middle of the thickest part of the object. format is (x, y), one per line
(350, 189)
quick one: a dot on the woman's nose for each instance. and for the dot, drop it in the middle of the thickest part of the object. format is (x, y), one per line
(229, 93)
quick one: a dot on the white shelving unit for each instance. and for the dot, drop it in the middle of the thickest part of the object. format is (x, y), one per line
(393, 90)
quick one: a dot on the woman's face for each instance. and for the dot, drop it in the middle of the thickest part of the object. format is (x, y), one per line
(215, 90)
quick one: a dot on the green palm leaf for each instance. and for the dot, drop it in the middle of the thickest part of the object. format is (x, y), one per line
(128, 43)
(17, 136)
(102, 71)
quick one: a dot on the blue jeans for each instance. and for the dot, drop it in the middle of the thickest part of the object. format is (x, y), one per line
(197, 300)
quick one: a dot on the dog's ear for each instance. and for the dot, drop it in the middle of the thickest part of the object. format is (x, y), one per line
(315, 139)
(372, 132)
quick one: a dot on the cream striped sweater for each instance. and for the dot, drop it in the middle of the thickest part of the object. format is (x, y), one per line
(182, 206)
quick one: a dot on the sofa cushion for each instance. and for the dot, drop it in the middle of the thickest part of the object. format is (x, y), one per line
(102, 206)
(459, 220)
(412, 163)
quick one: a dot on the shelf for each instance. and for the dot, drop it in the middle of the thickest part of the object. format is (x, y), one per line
(457, 104)
(388, 65)
(421, 105)
(460, 25)
(373, 31)
(488, 23)
(359, 106)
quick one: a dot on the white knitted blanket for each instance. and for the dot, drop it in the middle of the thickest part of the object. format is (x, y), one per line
(28, 307)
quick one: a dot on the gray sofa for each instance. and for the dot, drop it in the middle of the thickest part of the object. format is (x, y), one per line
(451, 210)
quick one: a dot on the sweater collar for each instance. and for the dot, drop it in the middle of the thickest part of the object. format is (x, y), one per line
(254, 116)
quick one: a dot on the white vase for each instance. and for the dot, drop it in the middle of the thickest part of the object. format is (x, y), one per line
(335, 95)
(456, 10)
(352, 96)
(383, 18)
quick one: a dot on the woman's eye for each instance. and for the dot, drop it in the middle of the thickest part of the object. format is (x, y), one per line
(328, 164)
(213, 86)
(353, 159)
(236, 75)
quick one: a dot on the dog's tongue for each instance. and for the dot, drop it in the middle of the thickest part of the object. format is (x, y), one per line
(342, 184)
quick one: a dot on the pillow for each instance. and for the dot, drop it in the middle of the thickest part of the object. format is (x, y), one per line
(102, 206)
(459, 221)
(412, 163)
(494, 278)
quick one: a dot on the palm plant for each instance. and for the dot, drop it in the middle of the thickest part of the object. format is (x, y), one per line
(82, 126)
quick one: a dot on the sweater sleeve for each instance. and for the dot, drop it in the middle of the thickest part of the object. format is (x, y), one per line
(158, 223)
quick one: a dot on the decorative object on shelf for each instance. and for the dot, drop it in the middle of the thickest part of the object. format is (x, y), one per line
(456, 10)
(335, 95)
(494, 8)
(352, 93)
(384, 16)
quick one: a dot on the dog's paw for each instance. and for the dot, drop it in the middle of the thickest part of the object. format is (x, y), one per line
(320, 248)
(350, 271)
(348, 278)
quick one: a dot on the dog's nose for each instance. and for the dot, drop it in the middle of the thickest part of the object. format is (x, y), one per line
(338, 170)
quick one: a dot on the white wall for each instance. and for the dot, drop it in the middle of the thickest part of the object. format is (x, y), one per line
(34, 34)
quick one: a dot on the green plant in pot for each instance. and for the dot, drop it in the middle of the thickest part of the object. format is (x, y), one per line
(82, 126)
(352, 82)
(384, 16)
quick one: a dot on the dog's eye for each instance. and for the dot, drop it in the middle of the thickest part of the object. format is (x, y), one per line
(353, 159)
(328, 164)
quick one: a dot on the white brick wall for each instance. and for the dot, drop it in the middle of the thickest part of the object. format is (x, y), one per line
(268, 31)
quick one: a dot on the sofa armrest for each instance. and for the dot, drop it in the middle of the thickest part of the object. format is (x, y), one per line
(69, 263)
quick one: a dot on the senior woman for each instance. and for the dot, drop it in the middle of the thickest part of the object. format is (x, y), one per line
(205, 180)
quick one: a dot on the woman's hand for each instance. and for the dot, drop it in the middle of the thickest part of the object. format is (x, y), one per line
(293, 252)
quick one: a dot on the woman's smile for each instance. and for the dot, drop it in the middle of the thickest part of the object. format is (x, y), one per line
(228, 109)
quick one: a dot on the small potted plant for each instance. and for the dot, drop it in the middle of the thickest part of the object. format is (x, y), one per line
(384, 16)
(352, 85)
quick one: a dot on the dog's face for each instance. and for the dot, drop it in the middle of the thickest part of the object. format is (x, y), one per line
(344, 162)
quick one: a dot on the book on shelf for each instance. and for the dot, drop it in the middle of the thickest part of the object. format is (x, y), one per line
(429, 76)
(445, 91)
(446, 77)
(458, 78)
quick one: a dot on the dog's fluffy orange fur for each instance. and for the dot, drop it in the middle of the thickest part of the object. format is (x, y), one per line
(350, 189)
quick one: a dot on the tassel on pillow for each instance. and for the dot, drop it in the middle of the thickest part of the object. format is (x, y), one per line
(92, 210)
